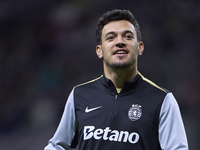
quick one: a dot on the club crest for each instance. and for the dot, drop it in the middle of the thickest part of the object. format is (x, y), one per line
(135, 112)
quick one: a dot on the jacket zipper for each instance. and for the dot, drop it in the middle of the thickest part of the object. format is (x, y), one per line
(115, 105)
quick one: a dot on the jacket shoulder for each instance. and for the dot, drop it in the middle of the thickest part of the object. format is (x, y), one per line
(88, 82)
(153, 85)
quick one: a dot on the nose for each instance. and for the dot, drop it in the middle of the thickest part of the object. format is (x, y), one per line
(120, 42)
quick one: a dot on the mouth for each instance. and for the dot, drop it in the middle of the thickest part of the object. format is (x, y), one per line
(120, 52)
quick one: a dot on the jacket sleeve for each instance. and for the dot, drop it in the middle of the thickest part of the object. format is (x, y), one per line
(66, 130)
(171, 129)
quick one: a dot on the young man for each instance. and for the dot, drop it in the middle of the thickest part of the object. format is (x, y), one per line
(121, 110)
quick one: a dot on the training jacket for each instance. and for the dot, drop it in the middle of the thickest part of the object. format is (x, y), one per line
(143, 116)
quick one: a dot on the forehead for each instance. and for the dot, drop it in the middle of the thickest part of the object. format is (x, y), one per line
(118, 26)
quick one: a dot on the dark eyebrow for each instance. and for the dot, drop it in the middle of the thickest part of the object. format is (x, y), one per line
(128, 31)
(124, 32)
(111, 32)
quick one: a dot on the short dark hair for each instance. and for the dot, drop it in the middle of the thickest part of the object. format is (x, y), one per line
(115, 15)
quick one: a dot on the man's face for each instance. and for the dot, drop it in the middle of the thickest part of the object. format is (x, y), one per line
(119, 48)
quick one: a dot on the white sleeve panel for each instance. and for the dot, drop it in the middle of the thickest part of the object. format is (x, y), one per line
(172, 134)
(64, 135)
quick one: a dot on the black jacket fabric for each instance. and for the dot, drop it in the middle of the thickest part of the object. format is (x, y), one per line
(143, 116)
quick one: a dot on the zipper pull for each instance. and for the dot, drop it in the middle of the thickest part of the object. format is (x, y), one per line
(115, 97)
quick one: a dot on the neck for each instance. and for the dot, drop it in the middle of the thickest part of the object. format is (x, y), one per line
(120, 76)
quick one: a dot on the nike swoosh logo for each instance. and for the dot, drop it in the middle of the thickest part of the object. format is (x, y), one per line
(87, 110)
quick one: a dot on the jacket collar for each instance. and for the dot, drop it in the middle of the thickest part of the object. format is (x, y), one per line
(128, 86)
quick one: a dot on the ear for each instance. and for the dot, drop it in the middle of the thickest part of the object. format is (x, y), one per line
(99, 51)
(140, 48)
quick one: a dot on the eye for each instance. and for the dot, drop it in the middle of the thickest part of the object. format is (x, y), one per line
(129, 36)
(110, 37)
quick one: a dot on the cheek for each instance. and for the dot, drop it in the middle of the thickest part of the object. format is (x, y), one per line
(134, 51)
(108, 45)
(135, 47)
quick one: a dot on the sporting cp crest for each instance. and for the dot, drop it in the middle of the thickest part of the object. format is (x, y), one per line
(135, 112)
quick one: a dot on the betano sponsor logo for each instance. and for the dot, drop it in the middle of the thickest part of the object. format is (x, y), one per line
(111, 135)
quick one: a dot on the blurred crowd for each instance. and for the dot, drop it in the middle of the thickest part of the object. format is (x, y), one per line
(48, 47)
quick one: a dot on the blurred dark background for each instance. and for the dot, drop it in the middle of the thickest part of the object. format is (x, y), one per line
(48, 46)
